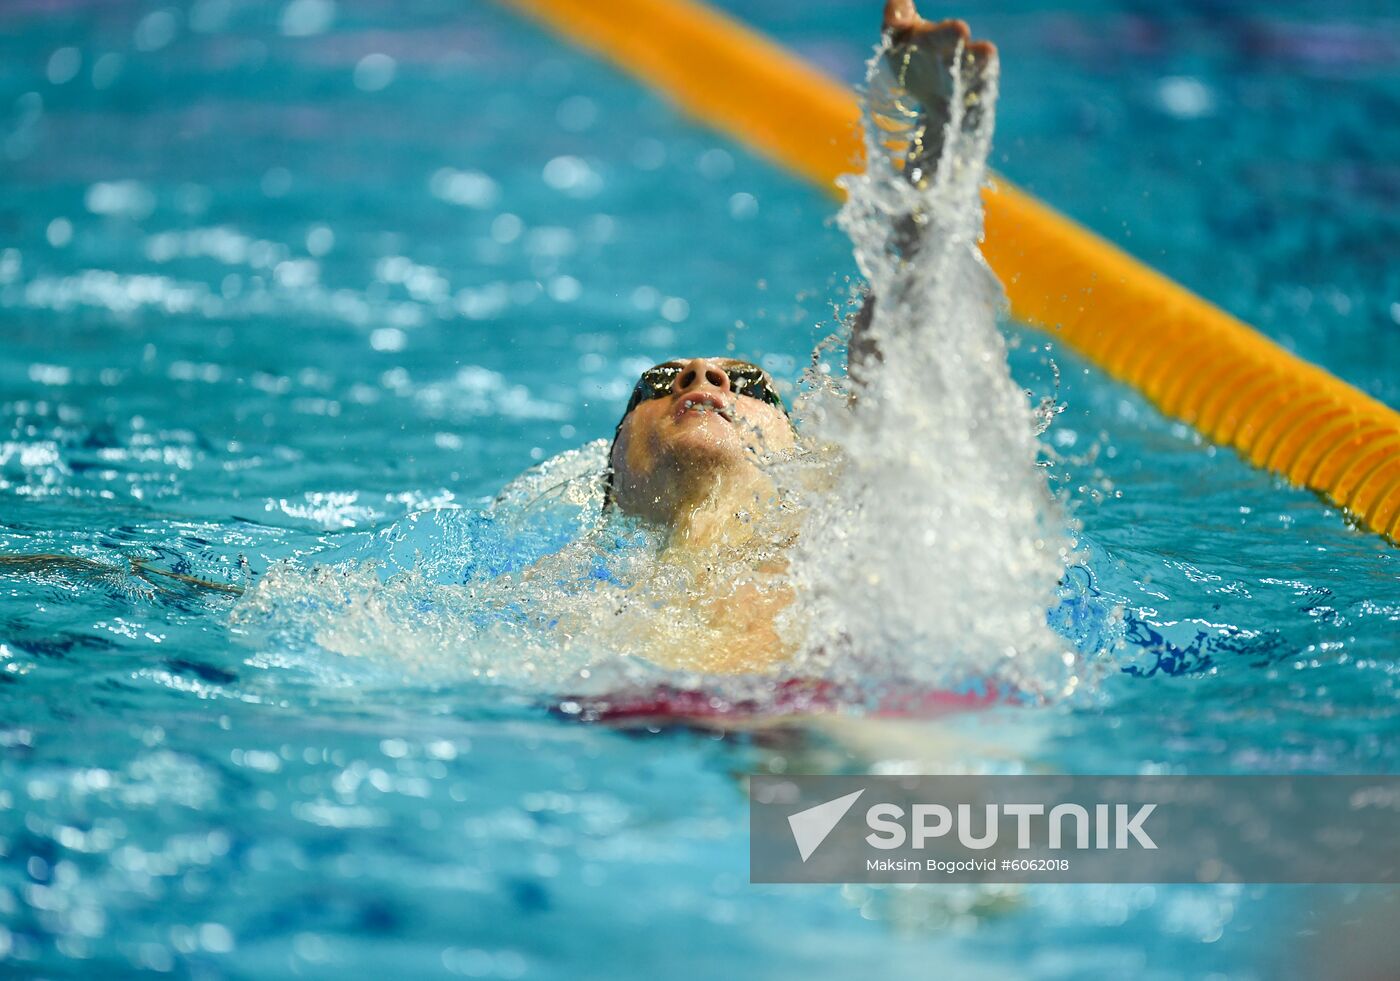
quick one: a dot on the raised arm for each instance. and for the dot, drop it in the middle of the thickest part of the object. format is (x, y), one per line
(928, 104)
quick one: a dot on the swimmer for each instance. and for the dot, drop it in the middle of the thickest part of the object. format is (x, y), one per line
(690, 457)
(689, 451)
(693, 450)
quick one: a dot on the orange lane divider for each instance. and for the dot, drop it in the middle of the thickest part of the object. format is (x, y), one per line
(1190, 358)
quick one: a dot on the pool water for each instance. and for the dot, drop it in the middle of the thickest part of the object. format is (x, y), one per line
(275, 277)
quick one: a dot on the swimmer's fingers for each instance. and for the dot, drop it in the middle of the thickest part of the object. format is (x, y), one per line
(931, 58)
(904, 26)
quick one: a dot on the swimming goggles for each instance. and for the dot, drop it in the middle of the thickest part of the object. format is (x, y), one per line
(744, 379)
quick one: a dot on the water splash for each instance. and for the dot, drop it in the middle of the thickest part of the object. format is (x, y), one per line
(934, 547)
(543, 589)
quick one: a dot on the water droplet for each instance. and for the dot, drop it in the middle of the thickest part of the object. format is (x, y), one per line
(155, 30)
(304, 18)
(64, 65)
(375, 72)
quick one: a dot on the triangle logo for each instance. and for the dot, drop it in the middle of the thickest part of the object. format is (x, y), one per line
(810, 827)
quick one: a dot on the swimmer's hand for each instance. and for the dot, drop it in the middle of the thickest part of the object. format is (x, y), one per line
(946, 72)
(904, 26)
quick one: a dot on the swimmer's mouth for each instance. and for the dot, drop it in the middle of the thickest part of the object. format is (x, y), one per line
(705, 402)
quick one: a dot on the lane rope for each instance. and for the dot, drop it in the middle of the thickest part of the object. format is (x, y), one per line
(1191, 359)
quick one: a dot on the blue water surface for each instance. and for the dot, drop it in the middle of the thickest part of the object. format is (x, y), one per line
(276, 275)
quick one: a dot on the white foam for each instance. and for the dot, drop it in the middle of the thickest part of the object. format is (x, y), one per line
(934, 546)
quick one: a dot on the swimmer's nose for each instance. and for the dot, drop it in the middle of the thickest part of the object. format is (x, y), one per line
(697, 372)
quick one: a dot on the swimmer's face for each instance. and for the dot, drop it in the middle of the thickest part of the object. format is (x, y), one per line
(690, 421)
